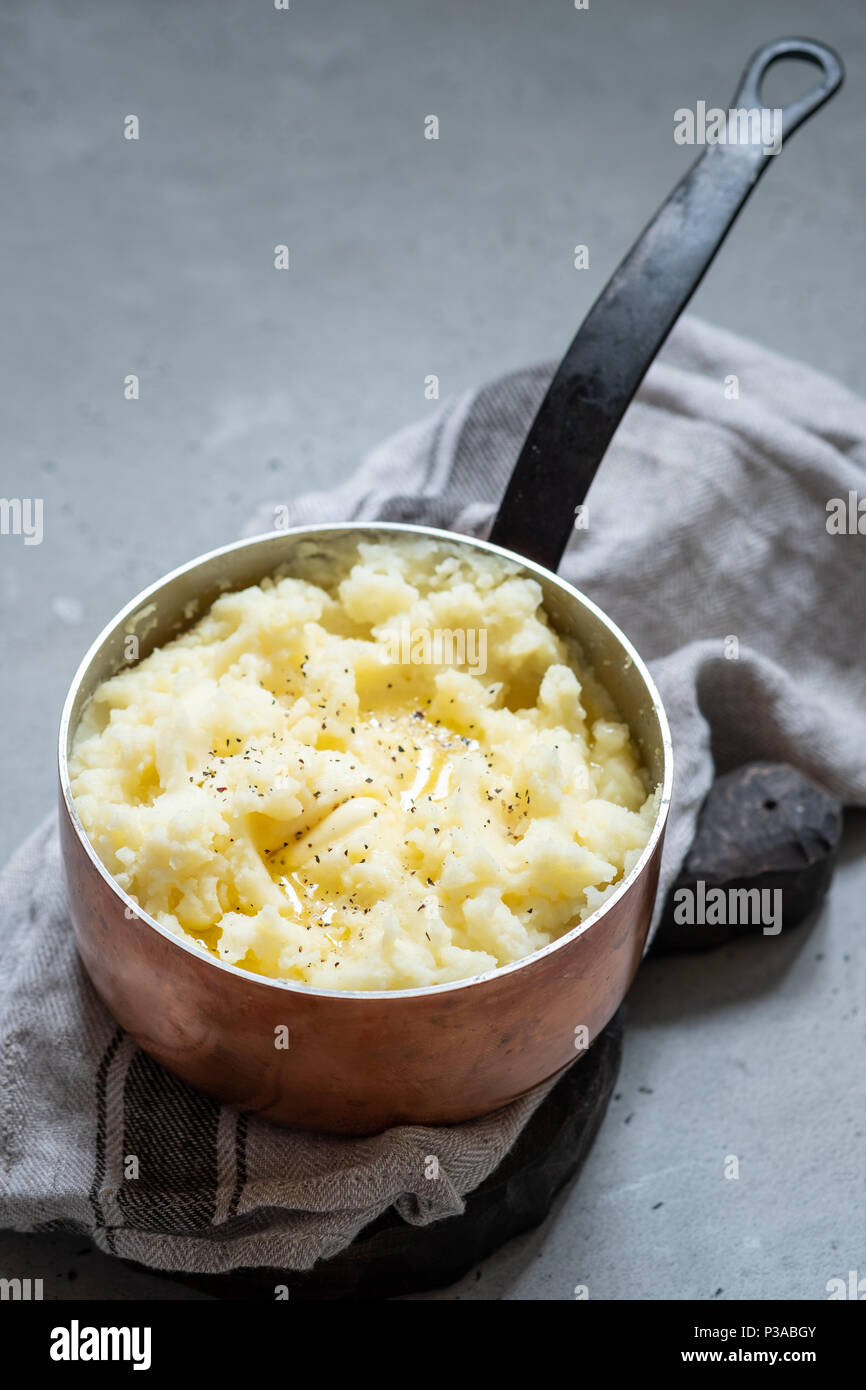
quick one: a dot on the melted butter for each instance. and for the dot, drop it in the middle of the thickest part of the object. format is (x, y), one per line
(312, 905)
(433, 753)
(419, 756)
(424, 771)
(290, 888)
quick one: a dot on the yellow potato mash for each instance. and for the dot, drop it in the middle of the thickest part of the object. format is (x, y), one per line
(398, 777)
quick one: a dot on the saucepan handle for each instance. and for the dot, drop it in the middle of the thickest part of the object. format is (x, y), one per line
(633, 315)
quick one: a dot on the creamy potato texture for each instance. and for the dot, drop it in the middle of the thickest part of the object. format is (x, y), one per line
(310, 793)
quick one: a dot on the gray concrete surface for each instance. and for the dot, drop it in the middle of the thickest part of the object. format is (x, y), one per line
(411, 257)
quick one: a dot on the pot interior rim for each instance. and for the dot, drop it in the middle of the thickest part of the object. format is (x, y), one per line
(250, 977)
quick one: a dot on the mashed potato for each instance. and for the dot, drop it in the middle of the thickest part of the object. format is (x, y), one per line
(312, 787)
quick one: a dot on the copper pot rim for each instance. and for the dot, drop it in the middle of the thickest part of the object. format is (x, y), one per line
(398, 528)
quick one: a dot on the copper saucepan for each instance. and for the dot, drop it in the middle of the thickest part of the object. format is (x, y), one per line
(359, 1062)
